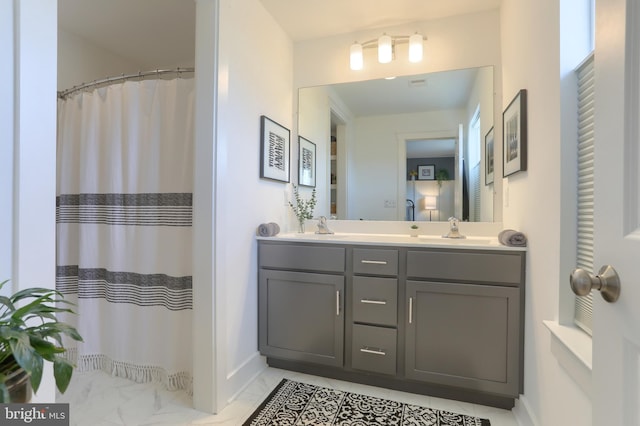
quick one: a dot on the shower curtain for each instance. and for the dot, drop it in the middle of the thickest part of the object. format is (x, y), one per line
(124, 207)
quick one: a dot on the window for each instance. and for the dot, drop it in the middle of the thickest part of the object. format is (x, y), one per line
(584, 243)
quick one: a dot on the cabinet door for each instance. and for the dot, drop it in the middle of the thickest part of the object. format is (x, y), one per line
(301, 316)
(463, 335)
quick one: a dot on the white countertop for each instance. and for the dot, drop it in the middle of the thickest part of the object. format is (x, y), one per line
(435, 241)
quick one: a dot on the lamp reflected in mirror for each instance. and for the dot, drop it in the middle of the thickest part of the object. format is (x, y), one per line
(430, 203)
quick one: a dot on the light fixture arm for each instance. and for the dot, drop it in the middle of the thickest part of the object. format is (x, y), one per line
(397, 39)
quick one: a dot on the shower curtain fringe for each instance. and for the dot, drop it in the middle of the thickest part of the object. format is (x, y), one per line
(63, 94)
(136, 373)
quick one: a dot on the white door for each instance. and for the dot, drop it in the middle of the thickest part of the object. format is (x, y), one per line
(616, 326)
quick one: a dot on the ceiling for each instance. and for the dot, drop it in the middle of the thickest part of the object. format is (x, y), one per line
(406, 94)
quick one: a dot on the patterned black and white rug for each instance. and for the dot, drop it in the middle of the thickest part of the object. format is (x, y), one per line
(295, 403)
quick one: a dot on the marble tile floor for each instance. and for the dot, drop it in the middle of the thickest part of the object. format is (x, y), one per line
(97, 399)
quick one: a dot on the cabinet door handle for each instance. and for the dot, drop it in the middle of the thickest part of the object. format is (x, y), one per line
(373, 351)
(410, 310)
(337, 302)
(374, 262)
(373, 302)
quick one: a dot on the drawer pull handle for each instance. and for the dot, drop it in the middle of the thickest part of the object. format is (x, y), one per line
(374, 262)
(368, 350)
(410, 310)
(373, 302)
(338, 303)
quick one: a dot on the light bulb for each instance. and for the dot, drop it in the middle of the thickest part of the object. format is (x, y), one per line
(385, 50)
(355, 58)
(415, 48)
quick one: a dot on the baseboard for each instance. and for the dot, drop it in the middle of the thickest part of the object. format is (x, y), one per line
(241, 377)
(523, 413)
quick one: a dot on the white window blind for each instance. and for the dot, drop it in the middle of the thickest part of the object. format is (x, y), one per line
(474, 166)
(586, 114)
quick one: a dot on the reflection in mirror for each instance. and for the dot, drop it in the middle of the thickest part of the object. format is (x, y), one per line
(408, 148)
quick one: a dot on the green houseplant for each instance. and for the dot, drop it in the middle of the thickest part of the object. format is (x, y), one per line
(441, 176)
(29, 335)
(303, 209)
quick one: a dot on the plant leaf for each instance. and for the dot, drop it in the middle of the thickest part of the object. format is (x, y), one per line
(62, 371)
(44, 348)
(36, 373)
(23, 353)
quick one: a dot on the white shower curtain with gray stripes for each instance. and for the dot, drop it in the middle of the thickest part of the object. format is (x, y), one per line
(124, 205)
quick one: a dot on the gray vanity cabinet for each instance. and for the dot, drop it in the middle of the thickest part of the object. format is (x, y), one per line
(464, 326)
(441, 321)
(463, 335)
(301, 312)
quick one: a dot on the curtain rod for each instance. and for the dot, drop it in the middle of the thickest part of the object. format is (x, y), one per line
(142, 74)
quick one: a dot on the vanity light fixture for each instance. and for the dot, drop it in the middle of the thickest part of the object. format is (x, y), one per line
(385, 45)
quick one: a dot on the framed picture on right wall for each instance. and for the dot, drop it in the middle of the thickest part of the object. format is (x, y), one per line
(514, 135)
(488, 156)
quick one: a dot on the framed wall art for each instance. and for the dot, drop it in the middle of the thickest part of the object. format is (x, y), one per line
(514, 135)
(306, 162)
(275, 148)
(427, 172)
(488, 157)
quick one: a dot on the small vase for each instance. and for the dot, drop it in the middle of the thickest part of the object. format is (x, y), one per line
(301, 227)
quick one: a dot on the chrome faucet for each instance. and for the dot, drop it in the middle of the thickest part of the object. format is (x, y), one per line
(322, 226)
(453, 231)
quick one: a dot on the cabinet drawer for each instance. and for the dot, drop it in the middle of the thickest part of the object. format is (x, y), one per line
(374, 349)
(464, 266)
(375, 300)
(375, 261)
(301, 257)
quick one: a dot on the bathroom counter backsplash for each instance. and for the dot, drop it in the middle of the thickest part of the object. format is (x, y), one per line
(479, 236)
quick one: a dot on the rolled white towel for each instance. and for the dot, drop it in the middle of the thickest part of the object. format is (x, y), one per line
(512, 238)
(268, 229)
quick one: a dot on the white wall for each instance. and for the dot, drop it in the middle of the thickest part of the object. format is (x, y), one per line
(255, 78)
(80, 61)
(6, 143)
(530, 59)
(464, 41)
(29, 142)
